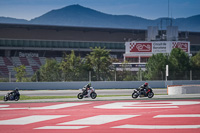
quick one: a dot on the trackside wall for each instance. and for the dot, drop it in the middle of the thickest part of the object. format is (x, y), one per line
(95, 84)
(183, 89)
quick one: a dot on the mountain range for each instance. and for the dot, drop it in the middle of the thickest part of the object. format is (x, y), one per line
(77, 15)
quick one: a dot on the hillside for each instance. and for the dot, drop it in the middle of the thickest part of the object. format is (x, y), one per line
(76, 15)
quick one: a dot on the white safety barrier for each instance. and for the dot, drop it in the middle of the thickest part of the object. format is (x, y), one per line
(183, 89)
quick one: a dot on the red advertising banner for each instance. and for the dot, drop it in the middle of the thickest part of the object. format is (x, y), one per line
(140, 47)
(181, 45)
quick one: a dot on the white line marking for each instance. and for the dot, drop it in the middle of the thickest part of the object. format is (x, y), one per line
(99, 119)
(12, 108)
(146, 105)
(182, 115)
(62, 127)
(158, 126)
(59, 106)
(4, 106)
(30, 119)
(133, 105)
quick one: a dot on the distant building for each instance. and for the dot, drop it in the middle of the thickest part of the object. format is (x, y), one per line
(137, 53)
(32, 44)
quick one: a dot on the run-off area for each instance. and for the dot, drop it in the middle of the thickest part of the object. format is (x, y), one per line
(102, 116)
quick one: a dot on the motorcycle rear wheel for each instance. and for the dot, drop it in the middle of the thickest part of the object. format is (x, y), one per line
(80, 96)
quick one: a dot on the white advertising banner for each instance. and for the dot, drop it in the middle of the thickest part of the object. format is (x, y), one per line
(160, 47)
(156, 47)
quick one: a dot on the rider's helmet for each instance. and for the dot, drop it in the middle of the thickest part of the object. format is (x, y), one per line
(16, 89)
(145, 84)
(89, 84)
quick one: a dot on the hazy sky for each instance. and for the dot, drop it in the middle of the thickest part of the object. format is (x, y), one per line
(151, 9)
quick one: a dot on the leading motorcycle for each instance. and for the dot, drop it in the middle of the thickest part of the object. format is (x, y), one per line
(137, 92)
(84, 93)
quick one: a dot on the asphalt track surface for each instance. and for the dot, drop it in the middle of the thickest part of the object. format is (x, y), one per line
(75, 92)
(106, 116)
(160, 94)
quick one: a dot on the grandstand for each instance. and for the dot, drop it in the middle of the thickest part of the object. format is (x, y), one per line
(31, 45)
(32, 64)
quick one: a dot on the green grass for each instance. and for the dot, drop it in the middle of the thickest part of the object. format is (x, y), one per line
(23, 97)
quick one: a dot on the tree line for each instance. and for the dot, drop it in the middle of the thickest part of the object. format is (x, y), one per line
(99, 64)
(180, 65)
(71, 68)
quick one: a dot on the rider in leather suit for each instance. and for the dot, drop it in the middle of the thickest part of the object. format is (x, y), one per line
(144, 88)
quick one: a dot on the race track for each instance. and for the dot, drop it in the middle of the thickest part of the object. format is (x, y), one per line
(174, 116)
(75, 92)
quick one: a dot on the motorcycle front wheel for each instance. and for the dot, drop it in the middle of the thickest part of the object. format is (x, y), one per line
(16, 98)
(80, 96)
(150, 94)
(93, 95)
(5, 98)
(135, 95)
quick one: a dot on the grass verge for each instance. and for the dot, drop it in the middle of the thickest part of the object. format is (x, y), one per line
(23, 97)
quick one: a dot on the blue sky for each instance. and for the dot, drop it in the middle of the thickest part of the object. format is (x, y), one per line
(151, 9)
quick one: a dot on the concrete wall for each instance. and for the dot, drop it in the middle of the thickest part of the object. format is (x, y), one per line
(97, 85)
(185, 89)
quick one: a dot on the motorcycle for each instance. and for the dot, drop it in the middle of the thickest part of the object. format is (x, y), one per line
(137, 92)
(84, 93)
(12, 96)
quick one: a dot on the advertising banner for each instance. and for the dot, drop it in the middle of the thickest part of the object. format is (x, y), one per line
(140, 47)
(160, 47)
(182, 45)
(156, 47)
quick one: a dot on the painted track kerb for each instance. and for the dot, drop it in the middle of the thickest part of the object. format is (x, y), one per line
(102, 116)
(156, 97)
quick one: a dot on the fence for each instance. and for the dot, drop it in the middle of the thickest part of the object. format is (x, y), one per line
(109, 76)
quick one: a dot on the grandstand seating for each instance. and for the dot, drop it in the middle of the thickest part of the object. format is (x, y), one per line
(4, 70)
(24, 61)
(16, 61)
(42, 60)
(37, 60)
(32, 64)
(11, 70)
(7, 61)
(29, 70)
(35, 68)
(2, 63)
(58, 59)
(31, 61)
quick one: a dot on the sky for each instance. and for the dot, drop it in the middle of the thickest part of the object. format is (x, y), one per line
(150, 9)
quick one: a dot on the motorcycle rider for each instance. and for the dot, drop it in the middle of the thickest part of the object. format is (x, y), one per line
(144, 88)
(87, 89)
(14, 92)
